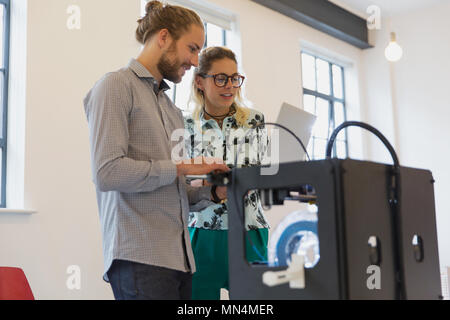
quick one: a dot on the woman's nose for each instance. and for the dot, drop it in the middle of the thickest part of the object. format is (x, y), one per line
(229, 83)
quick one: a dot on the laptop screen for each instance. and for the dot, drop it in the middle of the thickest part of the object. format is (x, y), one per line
(299, 122)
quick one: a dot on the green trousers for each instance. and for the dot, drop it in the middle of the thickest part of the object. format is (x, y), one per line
(210, 249)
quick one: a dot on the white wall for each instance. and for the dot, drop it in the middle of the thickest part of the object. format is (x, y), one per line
(407, 101)
(421, 87)
(378, 104)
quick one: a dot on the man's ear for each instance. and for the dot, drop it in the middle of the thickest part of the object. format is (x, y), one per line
(164, 38)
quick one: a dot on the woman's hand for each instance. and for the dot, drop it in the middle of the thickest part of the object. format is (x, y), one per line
(200, 183)
(221, 192)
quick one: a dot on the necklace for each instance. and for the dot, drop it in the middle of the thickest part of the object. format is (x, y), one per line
(220, 118)
(216, 117)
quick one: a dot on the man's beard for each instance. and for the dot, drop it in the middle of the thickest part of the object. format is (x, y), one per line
(170, 70)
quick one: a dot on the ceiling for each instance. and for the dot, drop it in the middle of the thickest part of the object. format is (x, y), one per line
(388, 8)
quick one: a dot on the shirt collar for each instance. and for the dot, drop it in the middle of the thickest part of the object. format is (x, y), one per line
(203, 121)
(142, 72)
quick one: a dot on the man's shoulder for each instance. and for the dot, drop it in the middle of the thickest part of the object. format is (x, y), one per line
(122, 77)
(114, 82)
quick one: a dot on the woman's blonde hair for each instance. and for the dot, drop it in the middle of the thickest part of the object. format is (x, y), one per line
(206, 58)
(160, 16)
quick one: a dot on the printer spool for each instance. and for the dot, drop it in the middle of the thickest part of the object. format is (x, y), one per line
(296, 233)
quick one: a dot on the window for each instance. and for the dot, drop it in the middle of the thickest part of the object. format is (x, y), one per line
(324, 96)
(4, 72)
(215, 36)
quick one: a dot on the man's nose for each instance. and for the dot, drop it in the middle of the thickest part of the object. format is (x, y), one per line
(194, 60)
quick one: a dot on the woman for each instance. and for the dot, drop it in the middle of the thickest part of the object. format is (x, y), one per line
(221, 127)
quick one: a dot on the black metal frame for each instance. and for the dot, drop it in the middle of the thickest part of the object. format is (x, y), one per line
(324, 16)
(330, 98)
(5, 72)
(352, 200)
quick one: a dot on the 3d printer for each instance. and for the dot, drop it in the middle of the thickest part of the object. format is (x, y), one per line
(369, 214)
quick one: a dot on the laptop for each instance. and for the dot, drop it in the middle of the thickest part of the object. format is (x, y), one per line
(299, 122)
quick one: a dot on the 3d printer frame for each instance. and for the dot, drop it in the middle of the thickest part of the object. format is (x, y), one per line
(352, 199)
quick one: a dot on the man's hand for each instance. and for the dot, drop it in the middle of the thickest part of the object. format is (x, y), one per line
(201, 165)
(197, 183)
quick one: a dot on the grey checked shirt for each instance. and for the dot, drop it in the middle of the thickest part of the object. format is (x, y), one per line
(143, 205)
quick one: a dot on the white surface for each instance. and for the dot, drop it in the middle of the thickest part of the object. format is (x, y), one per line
(300, 123)
(294, 274)
(420, 82)
(407, 101)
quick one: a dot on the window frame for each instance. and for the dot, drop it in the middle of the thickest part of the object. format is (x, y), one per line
(5, 70)
(331, 99)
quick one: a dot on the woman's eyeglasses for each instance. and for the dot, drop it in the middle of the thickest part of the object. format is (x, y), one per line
(221, 79)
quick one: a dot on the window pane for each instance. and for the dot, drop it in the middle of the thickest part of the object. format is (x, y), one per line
(2, 31)
(321, 127)
(341, 151)
(337, 82)
(2, 76)
(309, 148)
(308, 72)
(323, 76)
(214, 35)
(339, 116)
(227, 38)
(184, 90)
(320, 146)
(309, 103)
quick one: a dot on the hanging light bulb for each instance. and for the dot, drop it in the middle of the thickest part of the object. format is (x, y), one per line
(393, 51)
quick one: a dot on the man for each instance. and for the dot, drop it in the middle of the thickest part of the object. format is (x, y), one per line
(142, 195)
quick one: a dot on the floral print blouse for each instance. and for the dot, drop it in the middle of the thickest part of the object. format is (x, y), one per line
(206, 138)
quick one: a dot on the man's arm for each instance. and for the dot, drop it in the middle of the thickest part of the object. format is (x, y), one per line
(107, 108)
